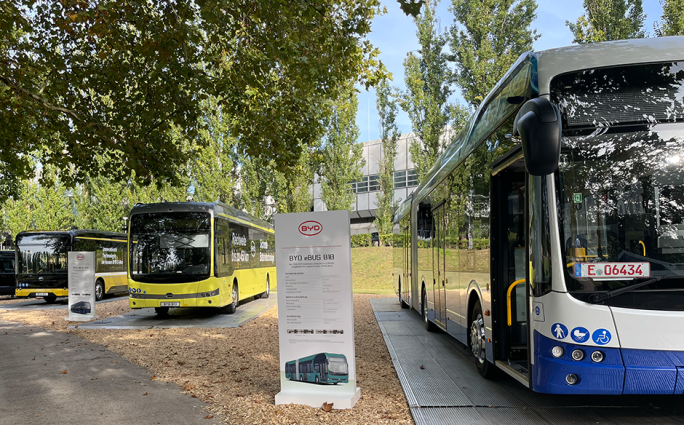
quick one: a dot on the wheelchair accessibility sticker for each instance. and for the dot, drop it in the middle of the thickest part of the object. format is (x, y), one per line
(601, 336)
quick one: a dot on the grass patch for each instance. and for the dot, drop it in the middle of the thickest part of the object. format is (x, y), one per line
(372, 270)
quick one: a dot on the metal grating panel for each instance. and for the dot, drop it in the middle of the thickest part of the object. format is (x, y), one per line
(430, 385)
(388, 315)
(405, 384)
(396, 328)
(446, 416)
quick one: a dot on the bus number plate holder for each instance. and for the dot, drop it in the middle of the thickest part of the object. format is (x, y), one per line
(612, 270)
(170, 304)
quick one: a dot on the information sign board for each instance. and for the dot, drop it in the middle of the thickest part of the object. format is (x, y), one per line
(81, 276)
(315, 310)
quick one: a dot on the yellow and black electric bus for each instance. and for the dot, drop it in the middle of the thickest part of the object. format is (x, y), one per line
(192, 254)
(42, 262)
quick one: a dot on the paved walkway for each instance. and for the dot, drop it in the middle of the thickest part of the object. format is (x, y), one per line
(442, 385)
(63, 302)
(100, 387)
(146, 318)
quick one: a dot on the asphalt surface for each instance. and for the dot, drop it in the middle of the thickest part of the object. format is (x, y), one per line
(62, 302)
(146, 318)
(99, 386)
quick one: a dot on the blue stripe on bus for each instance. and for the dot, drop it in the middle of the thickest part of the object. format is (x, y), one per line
(624, 371)
(549, 372)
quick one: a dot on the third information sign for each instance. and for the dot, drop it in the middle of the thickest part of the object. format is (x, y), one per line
(315, 310)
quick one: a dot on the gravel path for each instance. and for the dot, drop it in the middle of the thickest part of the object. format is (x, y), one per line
(236, 370)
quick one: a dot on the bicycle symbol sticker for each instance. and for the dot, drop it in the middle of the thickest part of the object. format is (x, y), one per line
(601, 336)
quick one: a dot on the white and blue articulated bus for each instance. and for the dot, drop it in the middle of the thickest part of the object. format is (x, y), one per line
(549, 235)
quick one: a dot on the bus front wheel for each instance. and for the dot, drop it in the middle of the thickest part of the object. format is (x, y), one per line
(50, 299)
(268, 288)
(429, 326)
(99, 290)
(317, 380)
(230, 308)
(478, 342)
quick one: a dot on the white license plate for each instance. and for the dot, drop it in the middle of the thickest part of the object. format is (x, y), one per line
(612, 270)
(42, 294)
(170, 304)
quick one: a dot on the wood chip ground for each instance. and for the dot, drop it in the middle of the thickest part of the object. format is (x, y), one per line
(236, 370)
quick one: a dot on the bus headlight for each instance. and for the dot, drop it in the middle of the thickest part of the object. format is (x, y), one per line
(597, 356)
(577, 354)
(557, 351)
(572, 379)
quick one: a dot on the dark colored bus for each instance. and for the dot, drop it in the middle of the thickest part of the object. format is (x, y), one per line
(323, 368)
(7, 278)
(42, 262)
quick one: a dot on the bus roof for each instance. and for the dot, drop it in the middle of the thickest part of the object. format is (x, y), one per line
(75, 233)
(216, 209)
(530, 77)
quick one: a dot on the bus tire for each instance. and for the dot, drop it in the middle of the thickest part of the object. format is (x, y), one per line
(230, 308)
(268, 287)
(50, 299)
(477, 342)
(317, 380)
(429, 326)
(99, 290)
(401, 300)
(161, 311)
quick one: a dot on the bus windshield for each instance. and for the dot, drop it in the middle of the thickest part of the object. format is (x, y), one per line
(337, 366)
(42, 254)
(621, 176)
(170, 247)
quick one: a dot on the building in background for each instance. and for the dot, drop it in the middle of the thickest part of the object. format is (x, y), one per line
(364, 208)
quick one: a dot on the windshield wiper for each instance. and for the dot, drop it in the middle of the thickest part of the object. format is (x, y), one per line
(595, 298)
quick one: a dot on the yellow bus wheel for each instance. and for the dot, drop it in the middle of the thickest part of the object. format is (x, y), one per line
(99, 290)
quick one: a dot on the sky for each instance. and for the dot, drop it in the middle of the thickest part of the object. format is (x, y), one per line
(394, 34)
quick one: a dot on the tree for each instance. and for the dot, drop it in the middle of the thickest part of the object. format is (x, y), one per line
(292, 192)
(672, 21)
(211, 171)
(428, 79)
(255, 180)
(606, 20)
(341, 160)
(389, 134)
(79, 79)
(487, 38)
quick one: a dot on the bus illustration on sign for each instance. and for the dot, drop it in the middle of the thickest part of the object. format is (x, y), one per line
(323, 368)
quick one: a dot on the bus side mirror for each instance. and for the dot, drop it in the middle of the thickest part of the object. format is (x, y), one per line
(539, 125)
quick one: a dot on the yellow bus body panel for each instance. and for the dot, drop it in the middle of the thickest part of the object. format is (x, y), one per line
(251, 282)
(60, 292)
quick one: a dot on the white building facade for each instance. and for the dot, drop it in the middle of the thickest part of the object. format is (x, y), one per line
(364, 209)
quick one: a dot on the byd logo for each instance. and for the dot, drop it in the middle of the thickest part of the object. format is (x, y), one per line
(310, 228)
(80, 257)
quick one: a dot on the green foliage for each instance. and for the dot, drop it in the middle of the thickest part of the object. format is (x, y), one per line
(487, 38)
(672, 21)
(427, 79)
(341, 160)
(387, 206)
(606, 20)
(291, 189)
(106, 78)
(362, 240)
(411, 7)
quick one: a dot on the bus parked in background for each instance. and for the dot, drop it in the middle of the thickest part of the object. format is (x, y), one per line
(193, 254)
(7, 278)
(42, 262)
(323, 368)
(549, 236)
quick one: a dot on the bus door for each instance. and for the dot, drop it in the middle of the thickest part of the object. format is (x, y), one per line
(439, 252)
(406, 280)
(509, 284)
